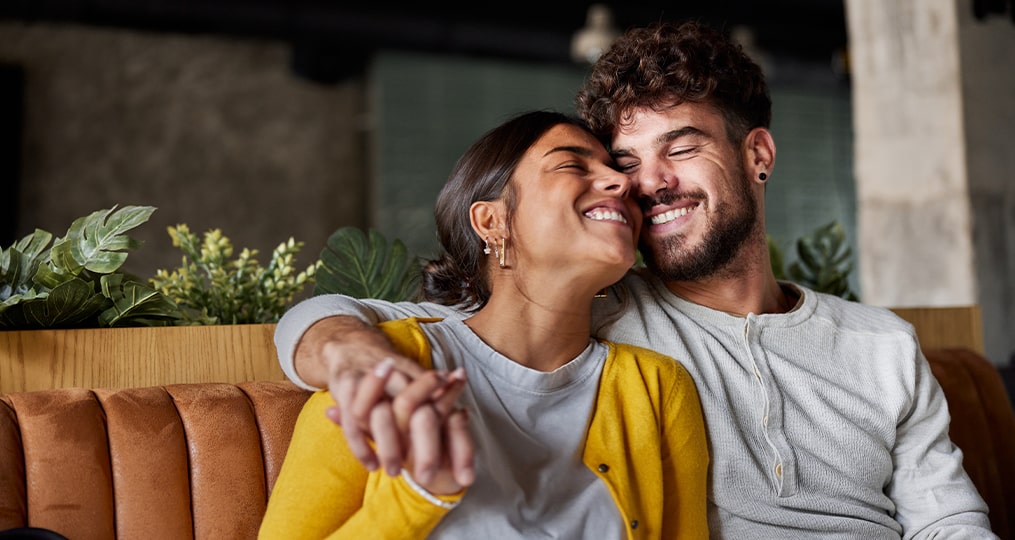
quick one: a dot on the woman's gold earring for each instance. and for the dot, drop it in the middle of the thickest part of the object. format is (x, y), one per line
(503, 251)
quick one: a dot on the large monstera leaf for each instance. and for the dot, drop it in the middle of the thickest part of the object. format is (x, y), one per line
(363, 265)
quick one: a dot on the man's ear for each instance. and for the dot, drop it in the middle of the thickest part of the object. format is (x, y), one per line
(760, 152)
(489, 219)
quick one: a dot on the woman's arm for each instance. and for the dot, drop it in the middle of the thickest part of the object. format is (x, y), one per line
(322, 491)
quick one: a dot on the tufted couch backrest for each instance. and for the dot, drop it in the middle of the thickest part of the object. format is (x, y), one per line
(169, 462)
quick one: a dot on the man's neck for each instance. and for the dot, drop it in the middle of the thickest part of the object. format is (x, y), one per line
(756, 293)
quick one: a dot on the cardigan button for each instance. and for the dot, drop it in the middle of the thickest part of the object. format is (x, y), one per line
(603, 467)
(634, 524)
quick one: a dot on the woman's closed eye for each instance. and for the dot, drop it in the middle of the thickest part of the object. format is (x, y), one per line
(573, 166)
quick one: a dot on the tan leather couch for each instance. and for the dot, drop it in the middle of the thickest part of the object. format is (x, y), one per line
(175, 462)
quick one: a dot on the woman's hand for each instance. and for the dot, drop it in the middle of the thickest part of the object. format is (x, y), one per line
(419, 428)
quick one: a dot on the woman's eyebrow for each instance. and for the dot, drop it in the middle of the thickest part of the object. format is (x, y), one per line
(580, 150)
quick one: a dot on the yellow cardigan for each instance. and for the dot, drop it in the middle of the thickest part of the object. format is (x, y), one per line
(646, 441)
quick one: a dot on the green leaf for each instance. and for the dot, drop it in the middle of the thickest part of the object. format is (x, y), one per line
(98, 242)
(71, 304)
(825, 261)
(363, 266)
(18, 263)
(136, 304)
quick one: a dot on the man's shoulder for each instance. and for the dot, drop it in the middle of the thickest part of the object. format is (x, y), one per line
(852, 314)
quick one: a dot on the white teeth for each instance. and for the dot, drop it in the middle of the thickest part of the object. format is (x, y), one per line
(666, 217)
(606, 215)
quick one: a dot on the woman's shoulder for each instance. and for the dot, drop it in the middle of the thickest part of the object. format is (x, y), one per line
(647, 360)
(409, 339)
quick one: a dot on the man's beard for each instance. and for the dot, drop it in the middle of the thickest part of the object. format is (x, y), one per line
(731, 225)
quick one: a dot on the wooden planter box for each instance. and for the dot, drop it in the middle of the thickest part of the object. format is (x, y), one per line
(131, 357)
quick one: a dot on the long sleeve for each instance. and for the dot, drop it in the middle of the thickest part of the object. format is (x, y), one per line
(322, 491)
(303, 315)
(929, 486)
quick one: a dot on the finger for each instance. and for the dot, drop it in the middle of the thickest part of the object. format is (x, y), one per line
(369, 390)
(446, 399)
(416, 395)
(352, 428)
(343, 391)
(387, 441)
(460, 448)
(343, 388)
(408, 367)
(425, 442)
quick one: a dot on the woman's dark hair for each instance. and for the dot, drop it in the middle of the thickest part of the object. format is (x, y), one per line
(457, 276)
(669, 63)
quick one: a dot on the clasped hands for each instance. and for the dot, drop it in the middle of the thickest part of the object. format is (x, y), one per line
(395, 414)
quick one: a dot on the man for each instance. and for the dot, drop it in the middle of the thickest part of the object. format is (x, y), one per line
(823, 417)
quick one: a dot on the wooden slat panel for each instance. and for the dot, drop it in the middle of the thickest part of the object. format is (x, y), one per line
(134, 357)
(946, 327)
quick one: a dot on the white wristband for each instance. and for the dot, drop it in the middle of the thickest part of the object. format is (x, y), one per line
(426, 494)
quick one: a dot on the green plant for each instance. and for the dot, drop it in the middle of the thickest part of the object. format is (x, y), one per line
(212, 289)
(363, 265)
(824, 264)
(77, 282)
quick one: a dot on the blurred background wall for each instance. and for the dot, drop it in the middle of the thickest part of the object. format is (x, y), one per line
(278, 118)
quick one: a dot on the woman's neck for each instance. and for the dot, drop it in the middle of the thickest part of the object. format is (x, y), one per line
(541, 332)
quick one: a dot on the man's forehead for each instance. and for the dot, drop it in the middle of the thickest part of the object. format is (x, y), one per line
(661, 126)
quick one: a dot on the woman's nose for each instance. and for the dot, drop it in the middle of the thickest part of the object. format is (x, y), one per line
(616, 183)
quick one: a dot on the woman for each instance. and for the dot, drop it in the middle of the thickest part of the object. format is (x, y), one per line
(573, 437)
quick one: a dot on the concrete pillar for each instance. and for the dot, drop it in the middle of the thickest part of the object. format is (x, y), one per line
(934, 117)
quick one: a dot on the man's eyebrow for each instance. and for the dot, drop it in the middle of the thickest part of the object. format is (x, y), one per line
(665, 138)
(580, 150)
(675, 134)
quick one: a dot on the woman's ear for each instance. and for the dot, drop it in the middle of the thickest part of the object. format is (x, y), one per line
(489, 219)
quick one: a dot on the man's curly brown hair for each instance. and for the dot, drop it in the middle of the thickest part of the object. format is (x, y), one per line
(667, 63)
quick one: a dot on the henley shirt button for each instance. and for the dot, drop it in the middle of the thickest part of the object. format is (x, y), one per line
(764, 420)
(778, 469)
(634, 524)
(603, 467)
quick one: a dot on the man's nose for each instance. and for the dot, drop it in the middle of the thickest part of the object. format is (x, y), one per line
(650, 180)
